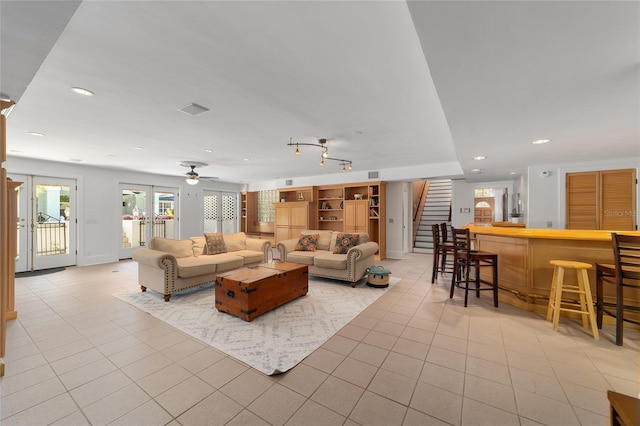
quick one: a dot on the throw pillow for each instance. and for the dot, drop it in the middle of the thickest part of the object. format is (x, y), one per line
(344, 242)
(215, 243)
(307, 242)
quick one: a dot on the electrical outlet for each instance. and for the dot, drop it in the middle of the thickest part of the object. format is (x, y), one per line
(390, 220)
(549, 224)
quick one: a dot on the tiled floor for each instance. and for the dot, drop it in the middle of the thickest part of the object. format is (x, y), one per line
(78, 356)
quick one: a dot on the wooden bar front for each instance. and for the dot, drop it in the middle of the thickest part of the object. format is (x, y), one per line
(523, 260)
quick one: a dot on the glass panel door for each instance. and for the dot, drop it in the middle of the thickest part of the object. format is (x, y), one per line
(220, 212)
(164, 220)
(134, 218)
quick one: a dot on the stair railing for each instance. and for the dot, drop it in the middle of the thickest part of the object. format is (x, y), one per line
(420, 191)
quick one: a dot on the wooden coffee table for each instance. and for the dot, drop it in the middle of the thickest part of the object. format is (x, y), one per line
(253, 290)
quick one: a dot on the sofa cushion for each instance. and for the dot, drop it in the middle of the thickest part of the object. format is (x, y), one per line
(344, 242)
(236, 241)
(178, 248)
(324, 238)
(307, 242)
(302, 257)
(199, 245)
(215, 243)
(331, 261)
(194, 266)
(228, 261)
(250, 256)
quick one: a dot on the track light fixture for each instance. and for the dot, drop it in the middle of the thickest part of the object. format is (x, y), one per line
(322, 144)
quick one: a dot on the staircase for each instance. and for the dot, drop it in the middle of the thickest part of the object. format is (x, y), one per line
(436, 210)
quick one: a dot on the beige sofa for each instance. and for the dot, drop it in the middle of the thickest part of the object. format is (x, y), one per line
(168, 266)
(350, 267)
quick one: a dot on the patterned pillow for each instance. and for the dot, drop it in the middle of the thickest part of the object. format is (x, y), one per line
(215, 243)
(344, 242)
(307, 242)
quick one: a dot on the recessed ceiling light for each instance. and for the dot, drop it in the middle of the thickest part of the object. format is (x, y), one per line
(36, 134)
(208, 150)
(75, 160)
(139, 148)
(16, 151)
(82, 91)
(475, 170)
(512, 173)
(479, 157)
(112, 155)
(541, 141)
(247, 159)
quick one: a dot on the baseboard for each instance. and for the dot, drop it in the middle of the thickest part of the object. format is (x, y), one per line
(395, 255)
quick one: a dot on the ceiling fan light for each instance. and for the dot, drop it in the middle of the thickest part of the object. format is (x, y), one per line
(192, 180)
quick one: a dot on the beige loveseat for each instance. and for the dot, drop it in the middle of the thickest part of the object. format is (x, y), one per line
(322, 262)
(168, 266)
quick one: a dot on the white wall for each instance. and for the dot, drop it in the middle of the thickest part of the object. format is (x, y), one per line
(99, 203)
(398, 239)
(464, 195)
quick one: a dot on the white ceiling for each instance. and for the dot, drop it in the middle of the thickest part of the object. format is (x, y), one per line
(390, 84)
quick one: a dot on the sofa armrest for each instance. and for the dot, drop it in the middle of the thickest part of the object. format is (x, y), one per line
(286, 246)
(361, 251)
(157, 259)
(257, 244)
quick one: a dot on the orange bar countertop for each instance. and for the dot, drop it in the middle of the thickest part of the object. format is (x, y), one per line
(524, 271)
(549, 234)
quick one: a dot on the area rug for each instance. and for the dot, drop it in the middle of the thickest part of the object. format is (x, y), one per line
(273, 342)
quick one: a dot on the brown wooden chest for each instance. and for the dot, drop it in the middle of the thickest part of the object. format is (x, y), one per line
(252, 291)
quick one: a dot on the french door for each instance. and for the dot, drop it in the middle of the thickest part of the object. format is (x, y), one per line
(220, 212)
(47, 222)
(147, 212)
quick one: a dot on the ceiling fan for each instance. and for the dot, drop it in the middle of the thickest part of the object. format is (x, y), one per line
(192, 176)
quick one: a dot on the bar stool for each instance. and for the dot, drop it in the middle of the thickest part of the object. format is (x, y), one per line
(440, 250)
(582, 289)
(466, 259)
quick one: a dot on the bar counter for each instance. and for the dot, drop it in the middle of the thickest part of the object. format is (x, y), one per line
(524, 272)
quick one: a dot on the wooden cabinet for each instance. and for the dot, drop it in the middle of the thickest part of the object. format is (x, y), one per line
(292, 218)
(243, 212)
(601, 200)
(331, 208)
(356, 216)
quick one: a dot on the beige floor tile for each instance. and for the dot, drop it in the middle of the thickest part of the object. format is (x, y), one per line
(245, 388)
(544, 410)
(443, 377)
(338, 395)
(29, 397)
(324, 360)
(77, 360)
(490, 393)
(476, 413)
(303, 379)
(216, 409)
(50, 411)
(314, 414)
(183, 349)
(32, 377)
(184, 395)
(77, 418)
(424, 324)
(116, 405)
(201, 359)
(131, 355)
(21, 365)
(587, 398)
(222, 372)
(390, 328)
(416, 418)
(160, 381)
(417, 335)
(489, 370)
(411, 348)
(534, 364)
(87, 373)
(590, 378)
(589, 418)
(277, 404)
(541, 385)
(392, 385)
(403, 364)
(446, 358)
(353, 332)
(364, 322)
(450, 343)
(146, 366)
(149, 413)
(246, 418)
(381, 340)
(370, 354)
(340, 344)
(355, 371)
(487, 352)
(437, 402)
(97, 389)
(373, 409)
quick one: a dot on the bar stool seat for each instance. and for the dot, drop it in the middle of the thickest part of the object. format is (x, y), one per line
(582, 289)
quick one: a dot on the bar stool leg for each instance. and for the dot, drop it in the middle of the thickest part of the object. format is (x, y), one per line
(581, 295)
(552, 294)
(583, 280)
(558, 297)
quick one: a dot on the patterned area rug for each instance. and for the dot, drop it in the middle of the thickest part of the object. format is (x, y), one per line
(273, 342)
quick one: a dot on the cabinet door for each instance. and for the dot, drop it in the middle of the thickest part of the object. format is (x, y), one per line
(299, 215)
(618, 199)
(283, 214)
(356, 216)
(582, 200)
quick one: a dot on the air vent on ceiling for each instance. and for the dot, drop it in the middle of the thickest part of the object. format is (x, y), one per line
(373, 175)
(193, 109)
(288, 182)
